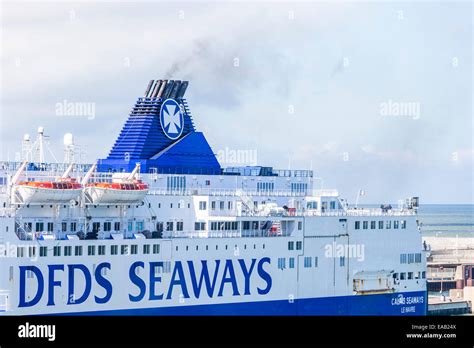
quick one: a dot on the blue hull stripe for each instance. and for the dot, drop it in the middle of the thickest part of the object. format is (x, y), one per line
(344, 305)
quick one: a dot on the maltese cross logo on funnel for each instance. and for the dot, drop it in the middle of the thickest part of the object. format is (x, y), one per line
(171, 119)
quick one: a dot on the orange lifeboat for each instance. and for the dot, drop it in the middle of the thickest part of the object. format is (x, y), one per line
(40, 192)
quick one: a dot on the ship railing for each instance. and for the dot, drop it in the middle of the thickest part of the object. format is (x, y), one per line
(225, 234)
(225, 192)
(365, 212)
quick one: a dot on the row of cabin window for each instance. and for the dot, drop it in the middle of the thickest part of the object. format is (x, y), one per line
(409, 275)
(307, 262)
(388, 224)
(91, 250)
(236, 248)
(107, 226)
(410, 258)
(291, 245)
(224, 225)
(101, 250)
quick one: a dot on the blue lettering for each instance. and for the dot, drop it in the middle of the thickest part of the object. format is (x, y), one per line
(178, 271)
(87, 289)
(137, 281)
(247, 274)
(265, 276)
(204, 277)
(39, 291)
(155, 279)
(229, 268)
(102, 281)
(53, 283)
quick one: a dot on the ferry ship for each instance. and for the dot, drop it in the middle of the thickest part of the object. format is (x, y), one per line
(159, 227)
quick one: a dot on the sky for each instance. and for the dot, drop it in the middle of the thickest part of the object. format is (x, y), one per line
(370, 95)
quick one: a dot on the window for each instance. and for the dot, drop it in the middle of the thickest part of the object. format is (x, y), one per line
(199, 226)
(298, 187)
(176, 183)
(156, 248)
(418, 258)
(365, 225)
(402, 276)
(213, 205)
(316, 261)
(78, 250)
(417, 275)
(292, 262)
(388, 224)
(380, 225)
(73, 226)
(179, 225)
(91, 250)
(39, 227)
(332, 205)
(281, 263)
(411, 258)
(404, 224)
(342, 261)
(67, 251)
(146, 248)
(169, 226)
(117, 226)
(108, 226)
(113, 250)
(64, 226)
(299, 245)
(403, 258)
(202, 205)
(229, 205)
(357, 225)
(43, 251)
(32, 251)
(134, 249)
(300, 225)
(50, 227)
(410, 275)
(124, 249)
(221, 205)
(312, 205)
(423, 275)
(139, 226)
(291, 246)
(372, 225)
(307, 261)
(19, 251)
(208, 182)
(265, 186)
(395, 224)
(130, 226)
(101, 249)
(57, 251)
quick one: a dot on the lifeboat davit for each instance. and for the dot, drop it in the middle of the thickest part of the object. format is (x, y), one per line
(126, 190)
(60, 190)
